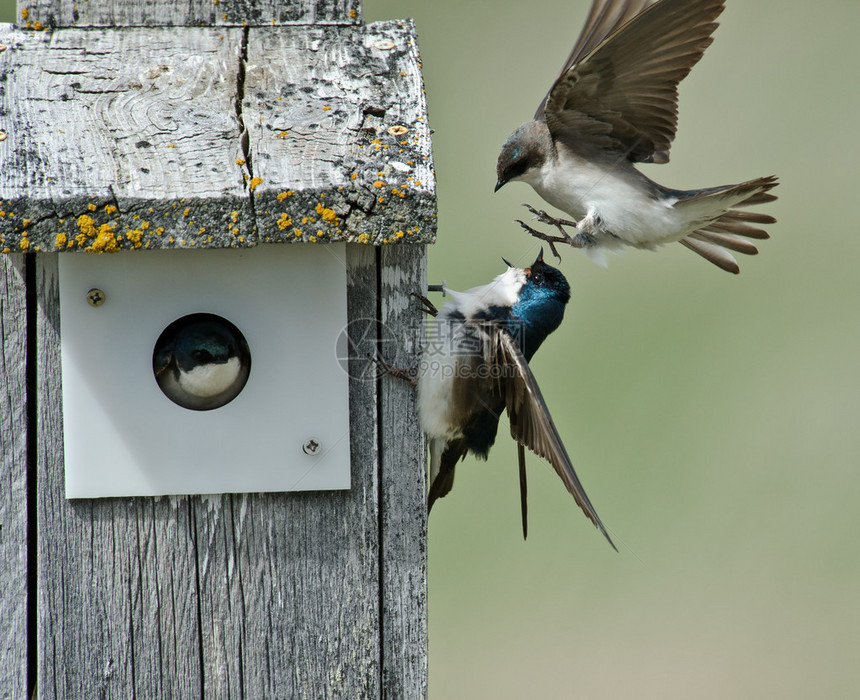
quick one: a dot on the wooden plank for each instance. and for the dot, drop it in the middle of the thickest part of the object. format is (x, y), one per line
(403, 482)
(339, 135)
(117, 578)
(140, 138)
(290, 582)
(13, 478)
(153, 13)
(139, 144)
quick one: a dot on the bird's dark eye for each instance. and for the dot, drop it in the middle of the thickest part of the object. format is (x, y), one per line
(201, 355)
(537, 278)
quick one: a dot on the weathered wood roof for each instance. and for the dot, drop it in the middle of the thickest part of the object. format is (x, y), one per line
(213, 137)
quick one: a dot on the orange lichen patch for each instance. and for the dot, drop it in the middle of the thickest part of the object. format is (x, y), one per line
(364, 238)
(353, 14)
(201, 231)
(144, 225)
(381, 199)
(159, 231)
(398, 193)
(24, 244)
(326, 108)
(171, 145)
(110, 209)
(254, 182)
(240, 161)
(328, 215)
(92, 207)
(312, 239)
(234, 215)
(399, 234)
(135, 237)
(25, 223)
(60, 240)
(25, 13)
(378, 184)
(285, 221)
(2, 213)
(282, 196)
(353, 176)
(282, 134)
(186, 212)
(37, 26)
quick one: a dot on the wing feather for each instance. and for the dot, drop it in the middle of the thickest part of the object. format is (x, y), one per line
(618, 90)
(531, 424)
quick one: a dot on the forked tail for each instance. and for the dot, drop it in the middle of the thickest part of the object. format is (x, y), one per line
(730, 230)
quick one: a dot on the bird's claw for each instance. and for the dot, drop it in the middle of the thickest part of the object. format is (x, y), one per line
(551, 240)
(545, 218)
(427, 306)
(409, 375)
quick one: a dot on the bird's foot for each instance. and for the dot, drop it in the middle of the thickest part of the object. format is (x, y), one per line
(409, 375)
(544, 218)
(590, 224)
(427, 306)
(552, 240)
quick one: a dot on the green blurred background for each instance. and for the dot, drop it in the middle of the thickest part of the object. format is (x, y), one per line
(713, 419)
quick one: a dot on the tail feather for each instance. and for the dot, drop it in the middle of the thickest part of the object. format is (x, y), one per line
(726, 240)
(443, 458)
(728, 230)
(712, 253)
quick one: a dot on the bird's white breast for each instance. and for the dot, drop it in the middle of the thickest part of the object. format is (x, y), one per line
(210, 380)
(631, 216)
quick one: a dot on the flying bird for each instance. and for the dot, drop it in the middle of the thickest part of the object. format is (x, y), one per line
(475, 368)
(615, 103)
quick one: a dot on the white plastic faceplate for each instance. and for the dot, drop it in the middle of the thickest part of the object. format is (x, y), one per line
(124, 437)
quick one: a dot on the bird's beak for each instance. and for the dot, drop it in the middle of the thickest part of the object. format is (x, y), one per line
(499, 185)
(506, 262)
(539, 258)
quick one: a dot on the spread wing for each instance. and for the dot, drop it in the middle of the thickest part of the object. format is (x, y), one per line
(531, 423)
(618, 90)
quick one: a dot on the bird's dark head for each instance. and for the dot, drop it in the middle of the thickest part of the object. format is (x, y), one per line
(523, 154)
(545, 282)
(540, 308)
(203, 343)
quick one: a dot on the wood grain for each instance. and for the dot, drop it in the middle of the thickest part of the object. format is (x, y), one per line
(123, 140)
(13, 478)
(339, 135)
(403, 526)
(57, 14)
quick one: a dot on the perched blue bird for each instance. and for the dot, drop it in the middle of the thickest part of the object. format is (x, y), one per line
(475, 367)
(201, 363)
(614, 104)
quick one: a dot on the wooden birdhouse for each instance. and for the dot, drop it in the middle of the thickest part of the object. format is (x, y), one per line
(210, 217)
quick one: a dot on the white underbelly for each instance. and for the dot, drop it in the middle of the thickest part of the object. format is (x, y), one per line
(630, 215)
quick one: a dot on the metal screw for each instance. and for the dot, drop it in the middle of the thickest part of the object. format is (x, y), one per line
(311, 447)
(397, 130)
(96, 297)
(2, 135)
(384, 45)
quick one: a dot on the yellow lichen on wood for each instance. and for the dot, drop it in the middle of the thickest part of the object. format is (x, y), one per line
(254, 182)
(328, 215)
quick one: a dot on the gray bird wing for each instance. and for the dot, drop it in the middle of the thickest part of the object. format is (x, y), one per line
(531, 423)
(618, 90)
